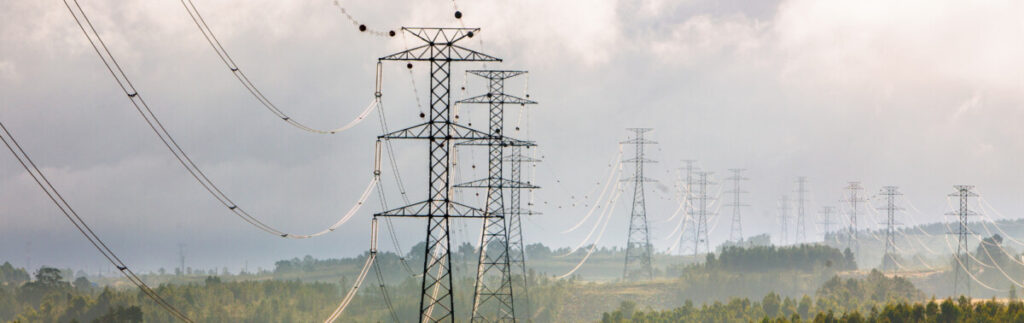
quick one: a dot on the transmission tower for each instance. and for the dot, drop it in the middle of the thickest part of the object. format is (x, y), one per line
(784, 219)
(493, 298)
(961, 276)
(826, 221)
(690, 223)
(638, 246)
(701, 219)
(736, 232)
(517, 249)
(890, 193)
(854, 199)
(801, 228)
(439, 51)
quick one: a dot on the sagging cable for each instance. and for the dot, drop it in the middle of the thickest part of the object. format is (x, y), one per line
(225, 57)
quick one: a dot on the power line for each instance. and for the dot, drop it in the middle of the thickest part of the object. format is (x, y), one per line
(222, 53)
(361, 26)
(62, 204)
(165, 137)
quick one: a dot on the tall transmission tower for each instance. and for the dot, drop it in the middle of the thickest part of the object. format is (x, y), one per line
(801, 227)
(493, 297)
(736, 231)
(961, 276)
(854, 198)
(638, 245)
(701, 220)
(826, 221)
(784, 219)
(690, 223)
(439, 51)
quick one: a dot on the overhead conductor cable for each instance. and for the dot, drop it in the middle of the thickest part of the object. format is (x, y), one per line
(154, 123)
(255, 91)
(62, 204)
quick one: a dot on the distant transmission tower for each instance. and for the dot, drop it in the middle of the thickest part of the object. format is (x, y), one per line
(701, 239)
(437, 302)
(854, 199)
(638, 246)
(826, 221)
(890, 193)
(517, 249)
(784, 219)
(801, 227)
(961, 276)
(689, 219)
(736, 232)
(493, 297)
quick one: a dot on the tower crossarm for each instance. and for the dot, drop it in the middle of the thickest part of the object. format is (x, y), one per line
(639, 160)
(503, 141)
(440, 45)
(496, 74)
(419, 209)
(638, 179)
(426, 130)
(501, 98)
(635, 141)
(499, 183)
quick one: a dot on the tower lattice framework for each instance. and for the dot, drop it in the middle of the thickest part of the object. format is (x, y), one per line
(961, 276)
(493, 298)
(736, 231)
(890, 193)
(801, 213)
(638, 244)
(854, 199)
(439, 50)
(689, 220)
(702, 199)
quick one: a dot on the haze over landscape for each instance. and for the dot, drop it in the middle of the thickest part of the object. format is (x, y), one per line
(922, 95)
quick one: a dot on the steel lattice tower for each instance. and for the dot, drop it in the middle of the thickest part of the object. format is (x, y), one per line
(517, 249)
(826, 221)
(801, 227)
(493, 297)
(961, 276)
(736, 231)
(638, 245)
(701, 220)
(439, 50)
(784, 218)
(890, 193)
(689, 224)
(854, 199)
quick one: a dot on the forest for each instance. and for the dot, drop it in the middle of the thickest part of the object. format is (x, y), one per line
(813, 281)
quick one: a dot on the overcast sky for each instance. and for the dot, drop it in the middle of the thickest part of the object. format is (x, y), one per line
(919, 94)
